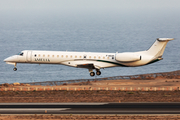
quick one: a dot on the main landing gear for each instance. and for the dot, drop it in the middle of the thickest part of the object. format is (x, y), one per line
(92, 74)
(98, 72)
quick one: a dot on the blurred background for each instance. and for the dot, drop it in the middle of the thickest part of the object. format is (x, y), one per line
(86, 26)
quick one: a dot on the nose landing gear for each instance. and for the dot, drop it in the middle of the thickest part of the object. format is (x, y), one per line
(15, 68)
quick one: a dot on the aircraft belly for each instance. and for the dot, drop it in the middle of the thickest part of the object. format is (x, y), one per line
(11, 63)
(85, 62)
(137, 63)
(105, 65)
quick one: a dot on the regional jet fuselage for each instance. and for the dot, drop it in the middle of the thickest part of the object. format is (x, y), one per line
(92, 60)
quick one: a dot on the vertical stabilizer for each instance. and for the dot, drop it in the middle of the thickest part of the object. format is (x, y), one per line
(157, 49)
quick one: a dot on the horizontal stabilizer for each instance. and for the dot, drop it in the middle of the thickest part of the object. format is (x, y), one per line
(164, 39)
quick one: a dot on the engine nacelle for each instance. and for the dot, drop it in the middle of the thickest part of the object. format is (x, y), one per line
(127, 57)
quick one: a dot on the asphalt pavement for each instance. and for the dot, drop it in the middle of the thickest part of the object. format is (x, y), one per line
(89, 108)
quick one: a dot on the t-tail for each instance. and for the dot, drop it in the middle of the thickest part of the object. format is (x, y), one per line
(157, 49)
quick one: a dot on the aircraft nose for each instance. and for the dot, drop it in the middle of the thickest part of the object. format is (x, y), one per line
(7, 59)
(10, 59)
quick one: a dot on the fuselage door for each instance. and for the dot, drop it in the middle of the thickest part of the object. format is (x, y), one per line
(84, 57)
(29, 56)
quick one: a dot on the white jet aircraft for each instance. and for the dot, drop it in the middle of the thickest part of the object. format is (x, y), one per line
(92, 60)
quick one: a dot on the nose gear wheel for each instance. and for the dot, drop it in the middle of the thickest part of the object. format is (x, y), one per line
(15, 69)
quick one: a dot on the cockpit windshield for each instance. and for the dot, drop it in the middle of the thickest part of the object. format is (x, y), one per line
(21, 53)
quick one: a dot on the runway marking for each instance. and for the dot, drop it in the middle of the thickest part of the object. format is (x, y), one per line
(27, 109)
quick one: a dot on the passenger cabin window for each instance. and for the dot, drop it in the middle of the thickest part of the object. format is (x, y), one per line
(43, 55)
(57, 55)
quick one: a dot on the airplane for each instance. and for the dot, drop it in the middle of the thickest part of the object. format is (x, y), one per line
(92, 60)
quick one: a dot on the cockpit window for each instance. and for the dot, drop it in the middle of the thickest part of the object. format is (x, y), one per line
(21, 53)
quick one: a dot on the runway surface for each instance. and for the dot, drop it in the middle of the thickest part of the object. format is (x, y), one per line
(89, 108)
